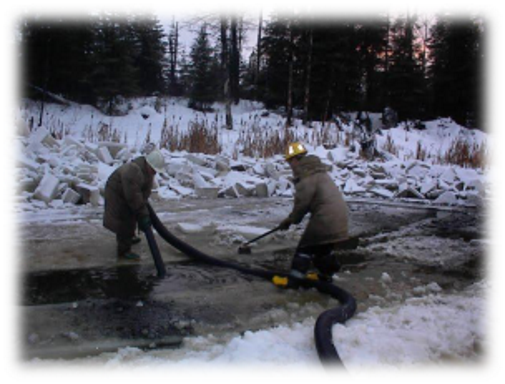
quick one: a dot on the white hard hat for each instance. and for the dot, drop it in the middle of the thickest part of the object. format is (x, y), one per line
(156, 161)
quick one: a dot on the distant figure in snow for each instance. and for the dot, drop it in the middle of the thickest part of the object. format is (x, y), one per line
(126, 194)
(317, 194)
(389, 118)
(365, 134)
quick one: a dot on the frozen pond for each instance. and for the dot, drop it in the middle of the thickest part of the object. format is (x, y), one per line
(75, 296)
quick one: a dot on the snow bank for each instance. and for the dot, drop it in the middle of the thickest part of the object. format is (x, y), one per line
(92, 145)
(429, 329)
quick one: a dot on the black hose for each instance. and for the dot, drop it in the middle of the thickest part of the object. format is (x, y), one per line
(323, 336)
(153, 246)
(199, 255)
(326, 350)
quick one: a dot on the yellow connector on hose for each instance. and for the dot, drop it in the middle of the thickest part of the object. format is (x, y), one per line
(280, 281)
(312, 276)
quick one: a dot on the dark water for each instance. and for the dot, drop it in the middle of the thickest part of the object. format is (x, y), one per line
(118, 302)
(127, 282)
(53, 287)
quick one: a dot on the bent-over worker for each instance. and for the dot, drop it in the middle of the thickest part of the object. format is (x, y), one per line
(126, 194)
(317, 194)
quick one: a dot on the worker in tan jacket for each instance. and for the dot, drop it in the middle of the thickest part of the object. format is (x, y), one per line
(316, 194)
(126, 194)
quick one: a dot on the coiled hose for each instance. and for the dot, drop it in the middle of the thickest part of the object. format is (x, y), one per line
(326, 350)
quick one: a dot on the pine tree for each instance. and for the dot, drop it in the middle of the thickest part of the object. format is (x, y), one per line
(202, 72)
(457, 53)
(406, 82)
(277, 52)
(114, 74)
(149, 57)
(174, 87)
(309, 35)
(315, 65)
(234, 66)
(224, 70)
(257, 65)
(55, 57)
(291, 49)
(371, 45)
(97, 60)
(335, 69)
(184, 78)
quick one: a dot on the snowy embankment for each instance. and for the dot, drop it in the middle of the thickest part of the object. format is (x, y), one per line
(68, 159)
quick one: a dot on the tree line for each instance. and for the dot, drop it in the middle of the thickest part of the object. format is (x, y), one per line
(307, 68)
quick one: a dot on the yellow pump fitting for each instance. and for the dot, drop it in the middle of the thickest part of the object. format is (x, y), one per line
(312, 276)
(280, 281)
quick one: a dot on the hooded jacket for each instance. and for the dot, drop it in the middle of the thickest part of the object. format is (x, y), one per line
(317, 194)
(126, 194)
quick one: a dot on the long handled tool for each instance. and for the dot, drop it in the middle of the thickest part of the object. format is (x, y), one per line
(245, 249)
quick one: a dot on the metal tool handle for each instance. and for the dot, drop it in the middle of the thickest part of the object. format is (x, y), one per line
(262, 236)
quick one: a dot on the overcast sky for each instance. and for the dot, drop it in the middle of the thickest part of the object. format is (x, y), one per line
(190, 24)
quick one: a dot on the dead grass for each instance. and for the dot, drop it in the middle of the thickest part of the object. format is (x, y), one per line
(55, 126)
(421, 153)
(266, 141)
(263, 141)
(389, 146)
(200, 137)
(254, 140)
(103, 132)
(59, 132)
(465, 154)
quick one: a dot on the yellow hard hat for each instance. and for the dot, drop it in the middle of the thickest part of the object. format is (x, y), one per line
(295, 149)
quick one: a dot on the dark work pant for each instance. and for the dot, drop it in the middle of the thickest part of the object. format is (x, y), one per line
(322, 257)
(124, 240)
(124, 244)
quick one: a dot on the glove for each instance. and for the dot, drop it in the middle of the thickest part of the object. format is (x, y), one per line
(144, 223)
(285, 224)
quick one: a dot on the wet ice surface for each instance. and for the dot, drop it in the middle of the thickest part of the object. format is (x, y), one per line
(414, 274)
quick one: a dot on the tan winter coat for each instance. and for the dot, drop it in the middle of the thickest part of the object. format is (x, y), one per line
(126, 194)
(318, 195)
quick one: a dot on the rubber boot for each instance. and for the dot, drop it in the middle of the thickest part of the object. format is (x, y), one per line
(325, 277)
(327, 265)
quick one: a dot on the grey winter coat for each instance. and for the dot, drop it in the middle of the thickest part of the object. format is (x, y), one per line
(126, 194)
(317, 194)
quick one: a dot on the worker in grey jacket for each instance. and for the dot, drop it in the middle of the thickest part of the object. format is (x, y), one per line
(126, 194)
(316, 194)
